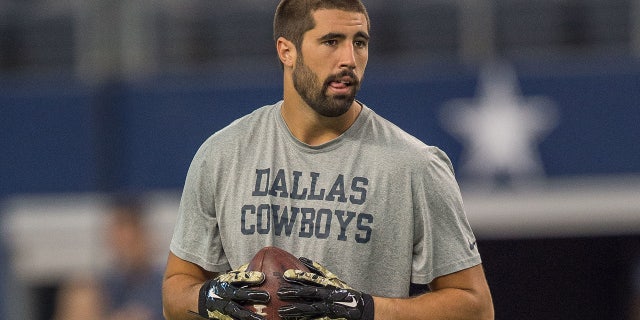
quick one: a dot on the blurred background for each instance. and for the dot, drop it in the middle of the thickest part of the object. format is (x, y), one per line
(536, 102)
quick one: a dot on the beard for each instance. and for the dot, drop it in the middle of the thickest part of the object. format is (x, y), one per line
(315, 94)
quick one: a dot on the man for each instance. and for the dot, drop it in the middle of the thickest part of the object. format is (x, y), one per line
(130, 288)
(322, 176)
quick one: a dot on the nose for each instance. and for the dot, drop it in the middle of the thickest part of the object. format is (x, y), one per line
(348, 57)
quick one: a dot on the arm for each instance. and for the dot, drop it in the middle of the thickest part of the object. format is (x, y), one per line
(460, 295)
(320, 294)
(180, 288)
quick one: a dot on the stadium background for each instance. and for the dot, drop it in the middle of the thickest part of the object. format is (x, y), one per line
(103, 96)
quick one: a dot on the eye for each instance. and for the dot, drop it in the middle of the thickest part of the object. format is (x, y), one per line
(331, 42)
(360, 43)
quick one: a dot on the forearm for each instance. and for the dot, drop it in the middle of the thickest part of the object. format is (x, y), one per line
(450, 304)
(179, 295)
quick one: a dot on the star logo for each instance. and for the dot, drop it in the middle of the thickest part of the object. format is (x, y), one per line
(500, 129)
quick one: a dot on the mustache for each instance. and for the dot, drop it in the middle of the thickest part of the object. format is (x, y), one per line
(344, 73)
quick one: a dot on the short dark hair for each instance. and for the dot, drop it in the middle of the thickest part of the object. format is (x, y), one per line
(127, 209)
(295, 17)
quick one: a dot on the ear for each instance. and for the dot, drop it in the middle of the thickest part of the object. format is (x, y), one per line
(286, 52)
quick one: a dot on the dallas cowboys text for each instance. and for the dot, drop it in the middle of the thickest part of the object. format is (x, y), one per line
(284, 219)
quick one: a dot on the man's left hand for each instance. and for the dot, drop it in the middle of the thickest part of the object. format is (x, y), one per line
(325, 296)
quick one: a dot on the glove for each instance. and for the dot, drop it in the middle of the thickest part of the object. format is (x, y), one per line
(326, 297)
(220, 298)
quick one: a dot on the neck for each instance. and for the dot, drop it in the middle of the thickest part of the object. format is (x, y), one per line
(312, 128)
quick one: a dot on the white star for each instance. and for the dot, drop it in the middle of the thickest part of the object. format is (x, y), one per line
(500, 129)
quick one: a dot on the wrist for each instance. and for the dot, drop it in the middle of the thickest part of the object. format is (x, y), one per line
(202, 299)
(368, 311)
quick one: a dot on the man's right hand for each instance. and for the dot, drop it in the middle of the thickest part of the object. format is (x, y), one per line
(221, 297)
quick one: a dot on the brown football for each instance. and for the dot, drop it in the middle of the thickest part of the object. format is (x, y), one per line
(273, 262)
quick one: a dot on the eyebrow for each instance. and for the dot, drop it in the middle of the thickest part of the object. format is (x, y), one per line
(334, 35)
(362, 34)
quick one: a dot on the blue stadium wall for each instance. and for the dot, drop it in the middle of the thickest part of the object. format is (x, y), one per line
(62, 136)
(59, 136)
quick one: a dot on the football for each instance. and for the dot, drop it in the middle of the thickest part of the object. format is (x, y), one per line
(273, 262)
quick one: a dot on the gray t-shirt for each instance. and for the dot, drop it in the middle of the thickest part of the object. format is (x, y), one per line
(376, 206)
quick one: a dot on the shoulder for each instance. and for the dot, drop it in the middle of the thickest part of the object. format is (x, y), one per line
(234, 140)
(244, 128)
(252, 121)
(403, 145)
(388, 133)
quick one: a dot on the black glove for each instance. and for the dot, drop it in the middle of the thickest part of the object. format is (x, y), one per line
(326, 297)
(220, 298)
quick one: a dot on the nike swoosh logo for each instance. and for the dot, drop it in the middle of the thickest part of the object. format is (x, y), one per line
(352, 304)
(472, 245)
(214, 296)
